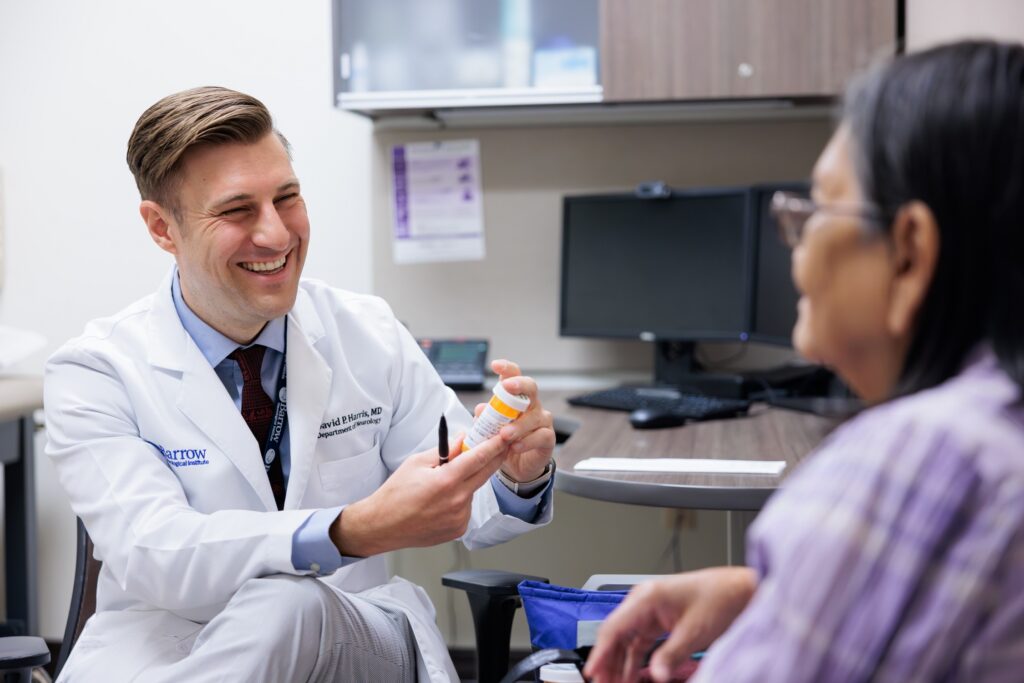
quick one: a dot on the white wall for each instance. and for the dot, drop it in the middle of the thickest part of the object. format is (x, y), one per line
(74, 77)
(930, 22)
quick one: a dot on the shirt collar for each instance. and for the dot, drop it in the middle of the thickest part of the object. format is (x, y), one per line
(214, 346)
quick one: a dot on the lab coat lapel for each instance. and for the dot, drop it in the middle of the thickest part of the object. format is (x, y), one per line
(206, 403)
(309, 384)
(201, 396)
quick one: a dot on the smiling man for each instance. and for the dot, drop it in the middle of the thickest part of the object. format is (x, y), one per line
(243, 444)
(239, 259)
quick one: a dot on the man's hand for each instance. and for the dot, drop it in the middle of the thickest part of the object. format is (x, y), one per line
(693, 608)
(531, 438)
(421, 504)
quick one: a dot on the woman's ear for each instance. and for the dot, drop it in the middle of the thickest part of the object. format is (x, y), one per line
(915, 252)
(158, 222)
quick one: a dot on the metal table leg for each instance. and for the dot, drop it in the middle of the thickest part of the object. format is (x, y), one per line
(20, 526)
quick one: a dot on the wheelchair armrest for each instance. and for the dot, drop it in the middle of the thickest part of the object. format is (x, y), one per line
(617, 582)
(493, 600)
(22, 654)
(488, 581)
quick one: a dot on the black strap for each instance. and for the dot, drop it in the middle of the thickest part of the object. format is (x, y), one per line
(272, 445)
(538, 659)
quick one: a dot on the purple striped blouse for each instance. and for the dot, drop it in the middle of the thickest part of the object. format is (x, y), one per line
(896, 552)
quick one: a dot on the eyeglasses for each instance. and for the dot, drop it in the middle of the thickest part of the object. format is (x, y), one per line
(792, 213)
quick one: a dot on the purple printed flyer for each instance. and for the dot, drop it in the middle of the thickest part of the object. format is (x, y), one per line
(437, 202)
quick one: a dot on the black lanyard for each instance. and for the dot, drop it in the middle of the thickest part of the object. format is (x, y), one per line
(272, 447)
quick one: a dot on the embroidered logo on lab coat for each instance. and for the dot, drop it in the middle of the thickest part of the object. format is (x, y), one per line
(346, 423)
(183, 457)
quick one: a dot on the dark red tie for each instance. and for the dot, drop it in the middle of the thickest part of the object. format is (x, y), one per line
(258, 410)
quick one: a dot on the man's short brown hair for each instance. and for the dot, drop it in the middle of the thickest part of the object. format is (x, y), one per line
(183, 120)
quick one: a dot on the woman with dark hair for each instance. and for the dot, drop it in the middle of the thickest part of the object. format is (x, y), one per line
(896, 552)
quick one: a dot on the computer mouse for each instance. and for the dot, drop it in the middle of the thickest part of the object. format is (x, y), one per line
(653, 418)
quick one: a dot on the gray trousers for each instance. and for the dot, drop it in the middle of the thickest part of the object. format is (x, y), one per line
(282, 628)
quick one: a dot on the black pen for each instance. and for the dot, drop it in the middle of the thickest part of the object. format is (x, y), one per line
(442, 440)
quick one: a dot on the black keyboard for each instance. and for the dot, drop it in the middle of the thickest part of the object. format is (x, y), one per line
(692, 406)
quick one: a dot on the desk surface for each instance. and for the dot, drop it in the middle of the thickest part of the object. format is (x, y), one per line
(20, 396)
(765, 434)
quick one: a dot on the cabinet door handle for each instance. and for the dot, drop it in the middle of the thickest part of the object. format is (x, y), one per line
(745, 70)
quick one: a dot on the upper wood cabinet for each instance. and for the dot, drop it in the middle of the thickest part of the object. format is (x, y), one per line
(722, 49)
(437, 59)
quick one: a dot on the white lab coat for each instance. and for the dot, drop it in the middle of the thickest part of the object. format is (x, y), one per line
(168, 479)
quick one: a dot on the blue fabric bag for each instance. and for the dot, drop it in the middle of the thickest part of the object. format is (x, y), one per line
(552, 612)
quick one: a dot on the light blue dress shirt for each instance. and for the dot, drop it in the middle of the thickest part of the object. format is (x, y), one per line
(312, 548)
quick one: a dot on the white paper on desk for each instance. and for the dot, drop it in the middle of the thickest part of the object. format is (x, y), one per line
(682, 465)
(16, 345)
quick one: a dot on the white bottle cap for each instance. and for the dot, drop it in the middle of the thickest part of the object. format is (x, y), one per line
(560, 673)
(517, 402)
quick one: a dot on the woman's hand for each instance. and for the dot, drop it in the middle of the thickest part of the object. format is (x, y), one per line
(693, 608)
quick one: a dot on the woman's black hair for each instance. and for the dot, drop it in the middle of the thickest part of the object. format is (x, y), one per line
(946, 127)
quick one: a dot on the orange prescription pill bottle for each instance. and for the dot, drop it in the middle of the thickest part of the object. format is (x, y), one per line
(503, 408)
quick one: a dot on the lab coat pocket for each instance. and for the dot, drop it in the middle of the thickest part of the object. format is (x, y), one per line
(355, 472)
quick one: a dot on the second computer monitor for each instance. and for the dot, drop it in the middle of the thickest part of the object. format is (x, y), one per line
(674, 268)
(774, 296)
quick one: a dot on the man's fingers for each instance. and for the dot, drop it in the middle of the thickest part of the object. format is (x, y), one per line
(477, 459)
(526, 424)
(479, 409)
(505, 368)
(540, 440)
(526, 386)
(455, 446)
(422, 459)
(481, 477)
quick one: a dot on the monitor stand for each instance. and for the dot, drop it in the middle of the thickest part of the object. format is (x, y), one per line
(675, 364)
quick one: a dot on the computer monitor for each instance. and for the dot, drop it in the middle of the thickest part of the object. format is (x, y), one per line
(774, 296)
(665, 269)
